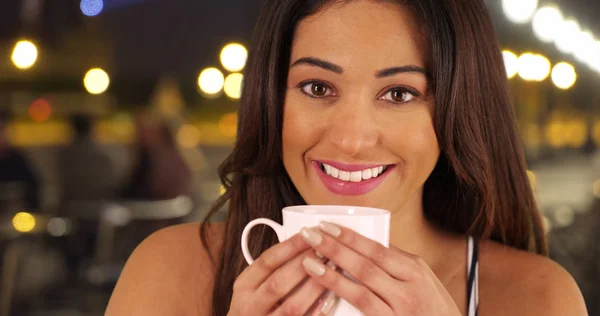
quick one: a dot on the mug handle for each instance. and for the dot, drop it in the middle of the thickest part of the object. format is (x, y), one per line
(279, 230)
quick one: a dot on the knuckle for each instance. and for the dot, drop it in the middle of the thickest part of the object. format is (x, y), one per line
(379, 255)
(333, 250)
(266, 262)
(362, 299)
(365, 271)
(297, 243)
(274, 287)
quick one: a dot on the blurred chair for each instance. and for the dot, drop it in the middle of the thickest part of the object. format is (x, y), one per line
(104, 268)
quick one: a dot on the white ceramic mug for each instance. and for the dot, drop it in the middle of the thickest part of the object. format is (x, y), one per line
(372, 223)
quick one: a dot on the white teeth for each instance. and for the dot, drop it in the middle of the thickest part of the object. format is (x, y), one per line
(375, 172)
(353, 176)
(334, 172)
(366, 174)
(344, 175)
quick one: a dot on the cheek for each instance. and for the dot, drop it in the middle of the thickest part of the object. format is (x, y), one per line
(416, 143)
(300, 131)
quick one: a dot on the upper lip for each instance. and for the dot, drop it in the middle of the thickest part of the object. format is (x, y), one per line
(351, 167)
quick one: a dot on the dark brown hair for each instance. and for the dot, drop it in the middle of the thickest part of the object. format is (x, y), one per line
(479, 186)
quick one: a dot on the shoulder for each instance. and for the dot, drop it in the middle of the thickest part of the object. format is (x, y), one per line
(169, 273)
(516, 282)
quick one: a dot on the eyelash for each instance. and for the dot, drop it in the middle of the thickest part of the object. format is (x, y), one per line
(401, 89)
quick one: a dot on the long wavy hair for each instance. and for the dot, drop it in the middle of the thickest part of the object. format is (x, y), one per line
(479, 186)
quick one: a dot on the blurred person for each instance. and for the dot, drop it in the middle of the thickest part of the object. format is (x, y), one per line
(415, 87)
(159, 171)
(86, 171)
(88, 178)
(19, 182)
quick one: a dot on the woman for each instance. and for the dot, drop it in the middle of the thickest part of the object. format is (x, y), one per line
(417, 87)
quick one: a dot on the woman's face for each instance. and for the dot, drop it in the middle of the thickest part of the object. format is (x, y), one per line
(357, 127)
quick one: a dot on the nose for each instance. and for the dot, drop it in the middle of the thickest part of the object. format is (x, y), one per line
(352, 129)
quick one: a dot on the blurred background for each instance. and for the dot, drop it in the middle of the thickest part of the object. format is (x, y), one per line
(114, 115)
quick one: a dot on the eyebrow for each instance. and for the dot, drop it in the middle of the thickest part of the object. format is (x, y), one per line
(387, 72)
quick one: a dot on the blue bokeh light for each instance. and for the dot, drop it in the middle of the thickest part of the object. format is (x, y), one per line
(91, 7)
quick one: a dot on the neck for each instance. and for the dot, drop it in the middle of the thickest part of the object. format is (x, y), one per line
(412, 232)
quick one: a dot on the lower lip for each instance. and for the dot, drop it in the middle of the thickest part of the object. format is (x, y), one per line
(340, 187)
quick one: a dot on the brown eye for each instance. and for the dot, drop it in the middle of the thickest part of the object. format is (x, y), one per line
(316, 89)
(319, 89)
(399, 95)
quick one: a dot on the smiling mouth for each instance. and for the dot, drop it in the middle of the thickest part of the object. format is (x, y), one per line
(353, 176)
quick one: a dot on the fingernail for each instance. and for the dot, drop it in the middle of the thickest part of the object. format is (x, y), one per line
(311, 236)
(319, 255)
(331, 229)
(329, 303)
(313, 266)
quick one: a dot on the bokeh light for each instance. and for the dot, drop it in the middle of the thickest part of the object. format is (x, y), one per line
(222, 190)
(91, 7)
(40, 110)
(594, 60)
(546, 23)
(596, 132)
(596, 188)
(58, 227)
(23, 222)
(96, 81)
(533, 67)
(24, 54)
(532, 179)
(576, 133)
(564, 75)
(188, 136)
(234, 56)
(585, 46)
(233, 85)
(210, 81)
(228, 124)
(519, 11)
(511, 63)
(555, 135)
(567, 36)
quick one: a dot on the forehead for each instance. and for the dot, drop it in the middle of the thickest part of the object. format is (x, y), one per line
(370, 33)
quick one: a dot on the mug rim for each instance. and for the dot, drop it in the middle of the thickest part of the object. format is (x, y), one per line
(373, 211)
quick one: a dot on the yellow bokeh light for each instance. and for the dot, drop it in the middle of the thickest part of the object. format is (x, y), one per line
(511, 63)
(564, 75)
(228, 124)
(222, 190)
(234, 56)
(532, 178)
(576, 133)
(211, 81)
(96, 81)
(596, 188)
(233, 85)
(188, 136)
(533, 67)
(555, 135)
(596, 132)
(24, 54)
(23, 222)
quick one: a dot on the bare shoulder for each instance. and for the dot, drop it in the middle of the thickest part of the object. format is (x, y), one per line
(169, 273)
(515, 282)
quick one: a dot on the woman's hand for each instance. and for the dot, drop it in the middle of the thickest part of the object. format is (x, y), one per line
(272, 285)
(392, 282)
